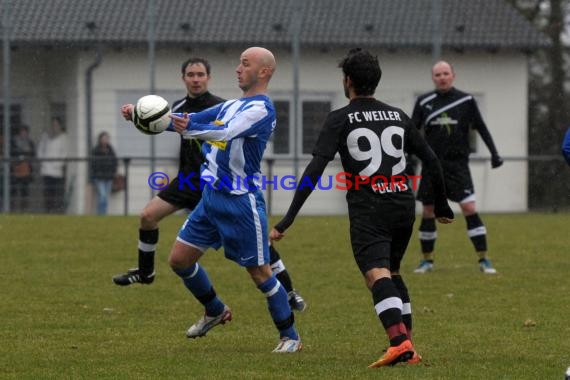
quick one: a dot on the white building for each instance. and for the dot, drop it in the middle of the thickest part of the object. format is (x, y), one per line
(55, 44)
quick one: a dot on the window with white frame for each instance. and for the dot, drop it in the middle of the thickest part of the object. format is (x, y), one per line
(282, 133)
(313, 112)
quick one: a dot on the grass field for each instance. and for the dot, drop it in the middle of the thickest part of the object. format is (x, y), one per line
(62, 318)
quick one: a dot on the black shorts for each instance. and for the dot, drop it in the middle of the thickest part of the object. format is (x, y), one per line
(379, 237)
(458, 183)
(183, 198)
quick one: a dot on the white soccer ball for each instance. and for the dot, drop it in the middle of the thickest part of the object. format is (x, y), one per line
(151, 114)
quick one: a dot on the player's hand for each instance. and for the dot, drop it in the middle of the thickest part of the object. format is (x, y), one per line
(275, 235)
(496, 161)
(444, 213)
(180, 121)
(127, 111)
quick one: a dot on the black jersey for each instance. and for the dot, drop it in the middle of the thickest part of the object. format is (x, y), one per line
(191, 158)
(191, 149)
(372, 139)
(446, 118)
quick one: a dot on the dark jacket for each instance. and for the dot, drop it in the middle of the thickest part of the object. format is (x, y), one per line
(104, 163)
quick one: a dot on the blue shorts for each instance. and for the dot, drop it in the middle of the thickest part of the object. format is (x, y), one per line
(236, 222)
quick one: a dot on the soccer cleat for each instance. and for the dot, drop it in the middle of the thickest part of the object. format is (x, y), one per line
(288, 345)
(396, 354)
(205, 323)
(486, 267)
(424, 267)
(296, 302)
(416, 358)
(132, 276)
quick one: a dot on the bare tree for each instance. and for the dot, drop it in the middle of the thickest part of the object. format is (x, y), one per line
(549, 114)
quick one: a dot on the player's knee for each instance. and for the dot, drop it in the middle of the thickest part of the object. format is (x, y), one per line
(260, 274)
(377, 269)
(183, 256)
(428, 211)
(147, 219)
(468, 208)
(175, 261)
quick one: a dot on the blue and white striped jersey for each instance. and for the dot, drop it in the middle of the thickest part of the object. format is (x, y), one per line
(236, 133)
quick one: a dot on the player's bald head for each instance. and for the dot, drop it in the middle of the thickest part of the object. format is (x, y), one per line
(443, 75)
(262, 56)
(442, 65)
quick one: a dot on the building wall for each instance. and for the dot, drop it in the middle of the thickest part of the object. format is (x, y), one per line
(41, 79)
(499, 82)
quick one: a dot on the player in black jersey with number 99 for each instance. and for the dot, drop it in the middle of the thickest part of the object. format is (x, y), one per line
(373, 139)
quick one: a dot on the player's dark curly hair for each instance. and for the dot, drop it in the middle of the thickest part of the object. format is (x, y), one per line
(363, 70)
(195, 60)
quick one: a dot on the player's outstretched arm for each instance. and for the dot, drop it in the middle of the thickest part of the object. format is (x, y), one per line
(496, 161)
(127, 111)
(443, 213)
(179, 122)
(275, 235)
(481, 127)
(313, 172)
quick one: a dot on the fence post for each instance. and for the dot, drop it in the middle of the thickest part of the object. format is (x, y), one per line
(126, 163)
(270, 162)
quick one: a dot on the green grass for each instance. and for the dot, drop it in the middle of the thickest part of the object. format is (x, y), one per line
(62, 318)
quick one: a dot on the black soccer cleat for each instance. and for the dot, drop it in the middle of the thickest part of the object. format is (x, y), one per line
(132, 276)
(296, 302)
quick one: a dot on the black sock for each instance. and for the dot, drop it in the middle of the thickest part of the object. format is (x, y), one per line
(387, 304)
(477, 232)
(406, 303)
(428, 234)
(147, 247)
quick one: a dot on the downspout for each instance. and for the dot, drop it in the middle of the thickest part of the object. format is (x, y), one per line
(89, 97)
(89, 94)
(7, 89)
(89, 101)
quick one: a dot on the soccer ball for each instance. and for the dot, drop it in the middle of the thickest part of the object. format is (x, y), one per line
(151, 114)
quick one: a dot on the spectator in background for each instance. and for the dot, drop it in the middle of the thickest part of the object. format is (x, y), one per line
(103, 167)
(566, 146)
(23, 150)
(52, 149)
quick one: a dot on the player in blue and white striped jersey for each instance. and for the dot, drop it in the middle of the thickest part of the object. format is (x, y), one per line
(232, 211)
(237, 133)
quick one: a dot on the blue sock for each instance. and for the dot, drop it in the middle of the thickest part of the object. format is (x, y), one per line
(196, 280)
(279, 307)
